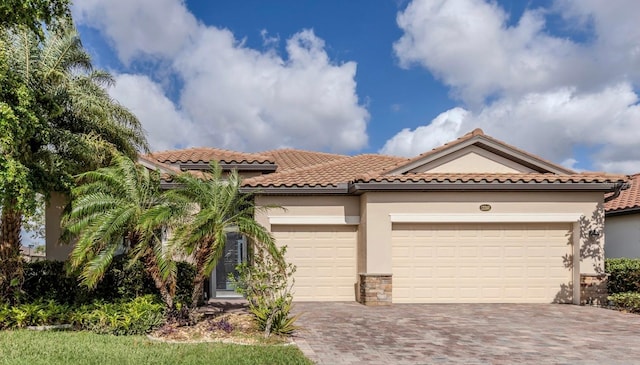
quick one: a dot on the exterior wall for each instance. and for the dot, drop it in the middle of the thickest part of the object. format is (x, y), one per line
(470, 160)
(53, 214)
(382, 204)
(307, 206)
(622, 235)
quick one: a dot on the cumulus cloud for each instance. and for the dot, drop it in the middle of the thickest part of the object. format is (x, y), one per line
(231, 96)
(547, 94)
(549, 124)
(146, 99)
(444, 128)
(156, 28)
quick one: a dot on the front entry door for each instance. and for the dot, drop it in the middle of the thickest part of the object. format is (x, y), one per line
(235, 252)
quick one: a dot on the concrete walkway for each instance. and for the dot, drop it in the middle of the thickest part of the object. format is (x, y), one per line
(349, 333)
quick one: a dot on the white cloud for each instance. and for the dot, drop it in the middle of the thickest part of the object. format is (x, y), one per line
(156, 28)
(549, 124)
(232, 96)
(444, 128)
(544, 93)
(165, 126)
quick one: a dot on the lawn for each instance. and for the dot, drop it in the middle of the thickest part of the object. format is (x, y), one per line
(30, 347)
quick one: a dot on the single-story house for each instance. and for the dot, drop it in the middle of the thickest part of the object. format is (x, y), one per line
(475, 220)
(622, 215)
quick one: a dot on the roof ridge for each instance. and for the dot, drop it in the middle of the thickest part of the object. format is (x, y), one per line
(295, 170)
(477, 132)
(301, 150)
(312, 168)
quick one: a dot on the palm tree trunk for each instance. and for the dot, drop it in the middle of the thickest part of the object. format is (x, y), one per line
(11, 268)
(198, 281)
(166, 288)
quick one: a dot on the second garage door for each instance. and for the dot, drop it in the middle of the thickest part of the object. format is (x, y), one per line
(325, 257)
(481, 263)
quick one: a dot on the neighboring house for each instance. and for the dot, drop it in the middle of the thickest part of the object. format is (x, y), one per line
(622, 229)
(475, 220)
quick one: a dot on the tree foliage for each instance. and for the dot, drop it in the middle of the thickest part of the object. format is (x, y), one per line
(31, 14)
(112, 211)
(56, 120)
(216, 208)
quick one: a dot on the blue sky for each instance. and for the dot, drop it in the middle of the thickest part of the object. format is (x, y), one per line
(557, 78)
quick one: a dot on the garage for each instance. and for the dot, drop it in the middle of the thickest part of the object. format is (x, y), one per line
(481, 263)
(325, 257)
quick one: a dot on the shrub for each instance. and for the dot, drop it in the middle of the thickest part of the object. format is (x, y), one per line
(629, 301)
(33, 314)
(267, 288)
(138, 316)
(48, 280)
(624, 275)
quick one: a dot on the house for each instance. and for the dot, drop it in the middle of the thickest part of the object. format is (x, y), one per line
(475, 220)
(622, 230)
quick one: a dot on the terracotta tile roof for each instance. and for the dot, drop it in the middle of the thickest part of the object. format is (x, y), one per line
(330, 173)
(628, 199)
(466, 137)
(427, 177)
(206, 154)
(150, 161)
(288, 158)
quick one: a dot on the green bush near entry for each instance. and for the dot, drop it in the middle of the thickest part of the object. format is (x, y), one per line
(133, 317)
(49, 281)
(624, 275)
(629, 301)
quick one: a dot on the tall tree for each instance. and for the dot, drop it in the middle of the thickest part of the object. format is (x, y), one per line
(33, 14)
(56, 120)
(217, 207)
(112, 210)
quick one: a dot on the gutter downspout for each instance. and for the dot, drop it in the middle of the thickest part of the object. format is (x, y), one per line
(618, 187)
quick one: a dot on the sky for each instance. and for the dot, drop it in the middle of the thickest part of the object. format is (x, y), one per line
(558, 78)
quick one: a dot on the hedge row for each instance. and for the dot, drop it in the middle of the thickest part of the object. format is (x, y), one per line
(49, 281)
(624, 275)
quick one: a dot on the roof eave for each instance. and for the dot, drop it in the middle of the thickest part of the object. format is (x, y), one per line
(296, 190)
(479, 186)
(624, 211)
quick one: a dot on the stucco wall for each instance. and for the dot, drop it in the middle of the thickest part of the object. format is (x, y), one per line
(472, 159)
(53, 213)
(622, 235)
(375, 209)
(309, 206)
(381, 205)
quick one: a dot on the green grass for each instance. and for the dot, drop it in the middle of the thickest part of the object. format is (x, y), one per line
(33, 348)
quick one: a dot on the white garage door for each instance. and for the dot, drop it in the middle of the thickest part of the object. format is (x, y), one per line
(325, 257)
(481, 263)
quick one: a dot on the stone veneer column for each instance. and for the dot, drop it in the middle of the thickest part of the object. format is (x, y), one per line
(375, 289)
(593, 289)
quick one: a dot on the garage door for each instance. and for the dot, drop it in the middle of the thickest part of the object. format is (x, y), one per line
(325, 257)
(481, 263)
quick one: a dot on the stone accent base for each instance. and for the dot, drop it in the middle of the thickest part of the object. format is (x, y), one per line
(593, 289)
(375, 289)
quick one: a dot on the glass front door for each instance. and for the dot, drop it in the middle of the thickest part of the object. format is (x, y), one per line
(235, 252)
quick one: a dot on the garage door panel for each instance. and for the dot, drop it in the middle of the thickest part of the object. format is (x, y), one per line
(508, 263)
(325, 257)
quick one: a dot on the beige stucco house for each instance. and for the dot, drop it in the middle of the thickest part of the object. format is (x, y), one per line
(475, 220)
(622, 229)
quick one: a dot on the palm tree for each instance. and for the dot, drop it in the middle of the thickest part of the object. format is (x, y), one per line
(217, 207)
(57, 120)
(116, 207)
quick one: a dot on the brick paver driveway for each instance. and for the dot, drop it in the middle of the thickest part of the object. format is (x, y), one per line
(349, 333)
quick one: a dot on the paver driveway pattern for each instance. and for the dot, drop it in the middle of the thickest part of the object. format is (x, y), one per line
(349, 333)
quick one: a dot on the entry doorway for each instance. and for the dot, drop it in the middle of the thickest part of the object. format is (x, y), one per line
(235, 252)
